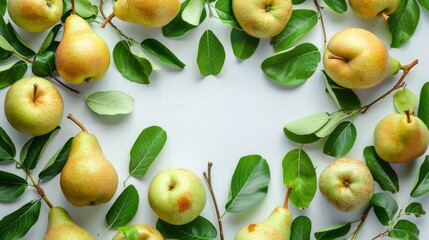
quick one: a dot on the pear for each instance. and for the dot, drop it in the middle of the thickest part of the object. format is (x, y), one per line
(357, 59)
(82, 56)
(400, 138)
(149, 13)
(62, 227)
(374, 8)
(146, 232)
(277, 226)
(87, 178)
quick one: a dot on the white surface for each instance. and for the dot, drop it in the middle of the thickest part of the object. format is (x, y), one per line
(221, 119)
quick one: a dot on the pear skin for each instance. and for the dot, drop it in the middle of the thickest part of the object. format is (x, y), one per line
(62, 227)
(146, 232)
(374, 8)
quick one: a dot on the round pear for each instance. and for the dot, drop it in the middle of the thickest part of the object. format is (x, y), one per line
(347, 183)
(262, 18)
(145, 232)
(374, 8)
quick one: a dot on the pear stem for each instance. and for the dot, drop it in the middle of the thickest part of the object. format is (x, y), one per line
(286, 202)
(35, 92)
(338, 58)
(384, 16)
(408, 115)
(69, 116)
(73, 7)
(319, 12)
(208, 177)
(397, 86)
(362, 221)
(40, 190)
(108, 19)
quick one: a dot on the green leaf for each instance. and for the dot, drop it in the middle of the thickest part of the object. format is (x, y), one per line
(299, 173)
(301, 22)
(110, 103)
(4, 32)
(403, 22)
(211, 54)
(333, 232)
(178, 27)
(293, 67)
(3, 4)
(131, 66)
(249, 184)
(308, 125)
(198, 229)
(339, 6)
(50, 38)
(7, 148)
(382, 172)
(15, 225)
(130, 232)
(404, 229)
(193, 11)
(297, 1)
(301, 139)
(243, 45)
(18, 43)
(422, 185)
(57, 162)
(225, 13)
(425, 4)
(44, 63)
(11, 73)
(162, 52)
(345, 98)
(11, 186)
(301, 228)
(34, 148)
(405, 100)
(145, 149)
(385, 207)
(124, 208)
(341, 140)
(84, 8)
(335, 119)
(423, 109)
(416, 209)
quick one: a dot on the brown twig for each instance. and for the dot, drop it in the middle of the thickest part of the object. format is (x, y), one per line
(397, 86)
(40, 190)
(380, 235)
(63, 84)
(362, 221)
(113, 25)
(208, 177)
(319, 12)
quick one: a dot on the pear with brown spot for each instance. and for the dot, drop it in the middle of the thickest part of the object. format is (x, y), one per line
(145, 232)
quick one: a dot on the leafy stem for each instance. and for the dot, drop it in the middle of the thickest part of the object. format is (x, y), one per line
(319, 12)
(208, 177)
(362, 222)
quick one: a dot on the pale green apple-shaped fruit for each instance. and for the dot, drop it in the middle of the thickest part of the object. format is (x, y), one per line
(87, 178)
(177, 196)
(146, 232)
(347, 183)
(33, 106)
(277, 226)
(374, 8)
(357, 59)
(262, 18)
(35, 15)
(400, 138)
(62, 227)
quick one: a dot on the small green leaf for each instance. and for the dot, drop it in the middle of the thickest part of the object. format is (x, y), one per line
(130, 232)
(34, 148)
(11, 186)
(198, 229)
(301, 139)
(249, 184)
(425, 4)
(110, 103)
(423, 109)
(57, 162)
(145, 149)
(18, 43)
(243, 45)
(382, 172)
(4, 32)
(308, 125)
(301, 22)
(345, 98)
(333, 232)
(385, 207)
(403, 22)
(224, 11)
(301, 228)
(124, 208)
(293, 67)
(84, 8)
(131, 66)
(178, 27)
(15, 225)
(299, 173)
(335, 119)
(162, 52)
(297, 1)
(193, 11)
(405, 100)
(339, 6)
(211, 54)
(404, 229)
(44, 63)
(422, 185)
(11, 73)
(3, 4)
(7, 148)
(341, 140)
(50, 38)
(416, 209)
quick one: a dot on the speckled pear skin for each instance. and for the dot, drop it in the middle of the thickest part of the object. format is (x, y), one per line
(146, 232)
(62, 227)
(149, 13)
(277, 226)
(397, 140)
(373, 8)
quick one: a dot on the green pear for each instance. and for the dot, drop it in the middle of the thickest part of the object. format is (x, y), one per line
(82, 55)
(277, 226)
(149, 13)
(400, 138)
(87, 178)
(374, 8)
(62, 227)
(35, 15)
(145, 232)
(357, 59)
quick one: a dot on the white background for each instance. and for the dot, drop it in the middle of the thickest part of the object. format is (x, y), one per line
(221, 119)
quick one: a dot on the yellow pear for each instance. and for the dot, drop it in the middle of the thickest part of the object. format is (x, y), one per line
(82, 55)
(62, 227)
(146, 232)
(374, 8)
(87, 178)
